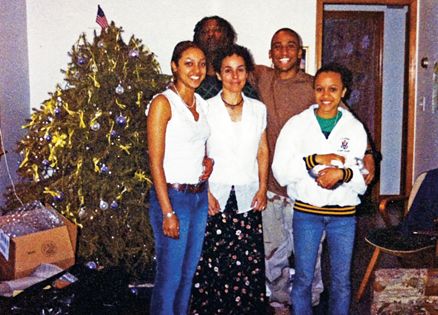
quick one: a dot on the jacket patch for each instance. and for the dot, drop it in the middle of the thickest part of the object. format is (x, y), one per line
(345, 145)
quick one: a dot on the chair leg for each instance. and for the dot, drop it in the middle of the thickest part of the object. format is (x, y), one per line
(367, 274)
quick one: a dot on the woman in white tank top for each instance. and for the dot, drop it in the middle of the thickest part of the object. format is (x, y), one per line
(177, 131)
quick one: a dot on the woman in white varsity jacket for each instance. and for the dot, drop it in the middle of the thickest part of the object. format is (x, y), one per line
(316, 157)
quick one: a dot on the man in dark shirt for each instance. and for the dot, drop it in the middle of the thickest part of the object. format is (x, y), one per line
(214, 34)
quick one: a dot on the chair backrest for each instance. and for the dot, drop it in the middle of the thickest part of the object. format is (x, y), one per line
(423, 210)
(414, 190)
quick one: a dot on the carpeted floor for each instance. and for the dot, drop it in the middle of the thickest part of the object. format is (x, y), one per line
(107, 292)
(368, 218)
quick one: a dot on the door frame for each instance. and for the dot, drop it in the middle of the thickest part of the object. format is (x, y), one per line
(376, 131)
(408, 133)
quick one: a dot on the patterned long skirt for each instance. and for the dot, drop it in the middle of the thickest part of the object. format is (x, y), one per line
(230, 277)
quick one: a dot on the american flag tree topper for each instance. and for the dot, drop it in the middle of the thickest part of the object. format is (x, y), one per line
(101, 18)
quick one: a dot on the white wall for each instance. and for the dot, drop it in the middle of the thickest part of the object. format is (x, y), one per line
(14, 83)
(392, 91)
(54, 26)
(426, 124)
(31, 62)
(392, 98)
(36, 36)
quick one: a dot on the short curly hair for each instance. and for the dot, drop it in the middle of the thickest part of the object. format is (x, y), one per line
(234, 50)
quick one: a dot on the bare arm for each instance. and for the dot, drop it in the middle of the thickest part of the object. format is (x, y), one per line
(158, 117)
(254, 75)
(213, 205)
(259, 201)
(370, 165)
(207, 164)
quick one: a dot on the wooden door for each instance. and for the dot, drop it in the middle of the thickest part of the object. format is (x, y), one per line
(355, 40)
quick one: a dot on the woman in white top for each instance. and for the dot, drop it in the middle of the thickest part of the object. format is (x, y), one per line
(177, 131)
(316, 158)
(230, 277)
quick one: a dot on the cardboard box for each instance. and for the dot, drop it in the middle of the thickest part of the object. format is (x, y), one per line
(54, 246)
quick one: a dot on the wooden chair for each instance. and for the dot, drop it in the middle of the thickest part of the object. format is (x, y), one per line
(383, 239)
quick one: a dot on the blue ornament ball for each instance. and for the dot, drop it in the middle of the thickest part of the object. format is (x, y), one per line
(134, 290)
(57, 111)
(81, 60)
(91, 265)
(104, 169)
(113, 133)
(114, 205)
(45, 162)
(121, 121)
(48, 137)
(59, 197)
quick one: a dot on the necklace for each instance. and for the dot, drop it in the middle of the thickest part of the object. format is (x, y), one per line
(173, 87)
(232, 106)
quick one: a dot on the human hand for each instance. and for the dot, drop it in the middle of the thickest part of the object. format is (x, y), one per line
(330, 159)
(171, 226)
(213, 205)
(259, 201)
(329, 177)
(207, 164)
(370, 165)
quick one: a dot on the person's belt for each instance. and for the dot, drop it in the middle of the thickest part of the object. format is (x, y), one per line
(188, 188)
(276, 197)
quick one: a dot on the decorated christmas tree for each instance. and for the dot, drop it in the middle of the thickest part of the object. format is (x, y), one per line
(85, 150)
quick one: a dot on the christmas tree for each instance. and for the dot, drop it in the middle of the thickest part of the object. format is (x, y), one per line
(85, 149)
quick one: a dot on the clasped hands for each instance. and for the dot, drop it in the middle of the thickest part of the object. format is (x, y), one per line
(330, 176)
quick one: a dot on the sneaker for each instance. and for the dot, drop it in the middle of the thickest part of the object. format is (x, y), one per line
(280, 297)
(280, 292)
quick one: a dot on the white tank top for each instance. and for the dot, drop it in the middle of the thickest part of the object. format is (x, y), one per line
(185, 141)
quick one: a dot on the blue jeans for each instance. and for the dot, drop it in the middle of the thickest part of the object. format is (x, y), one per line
(177, 258)
(340, 232)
